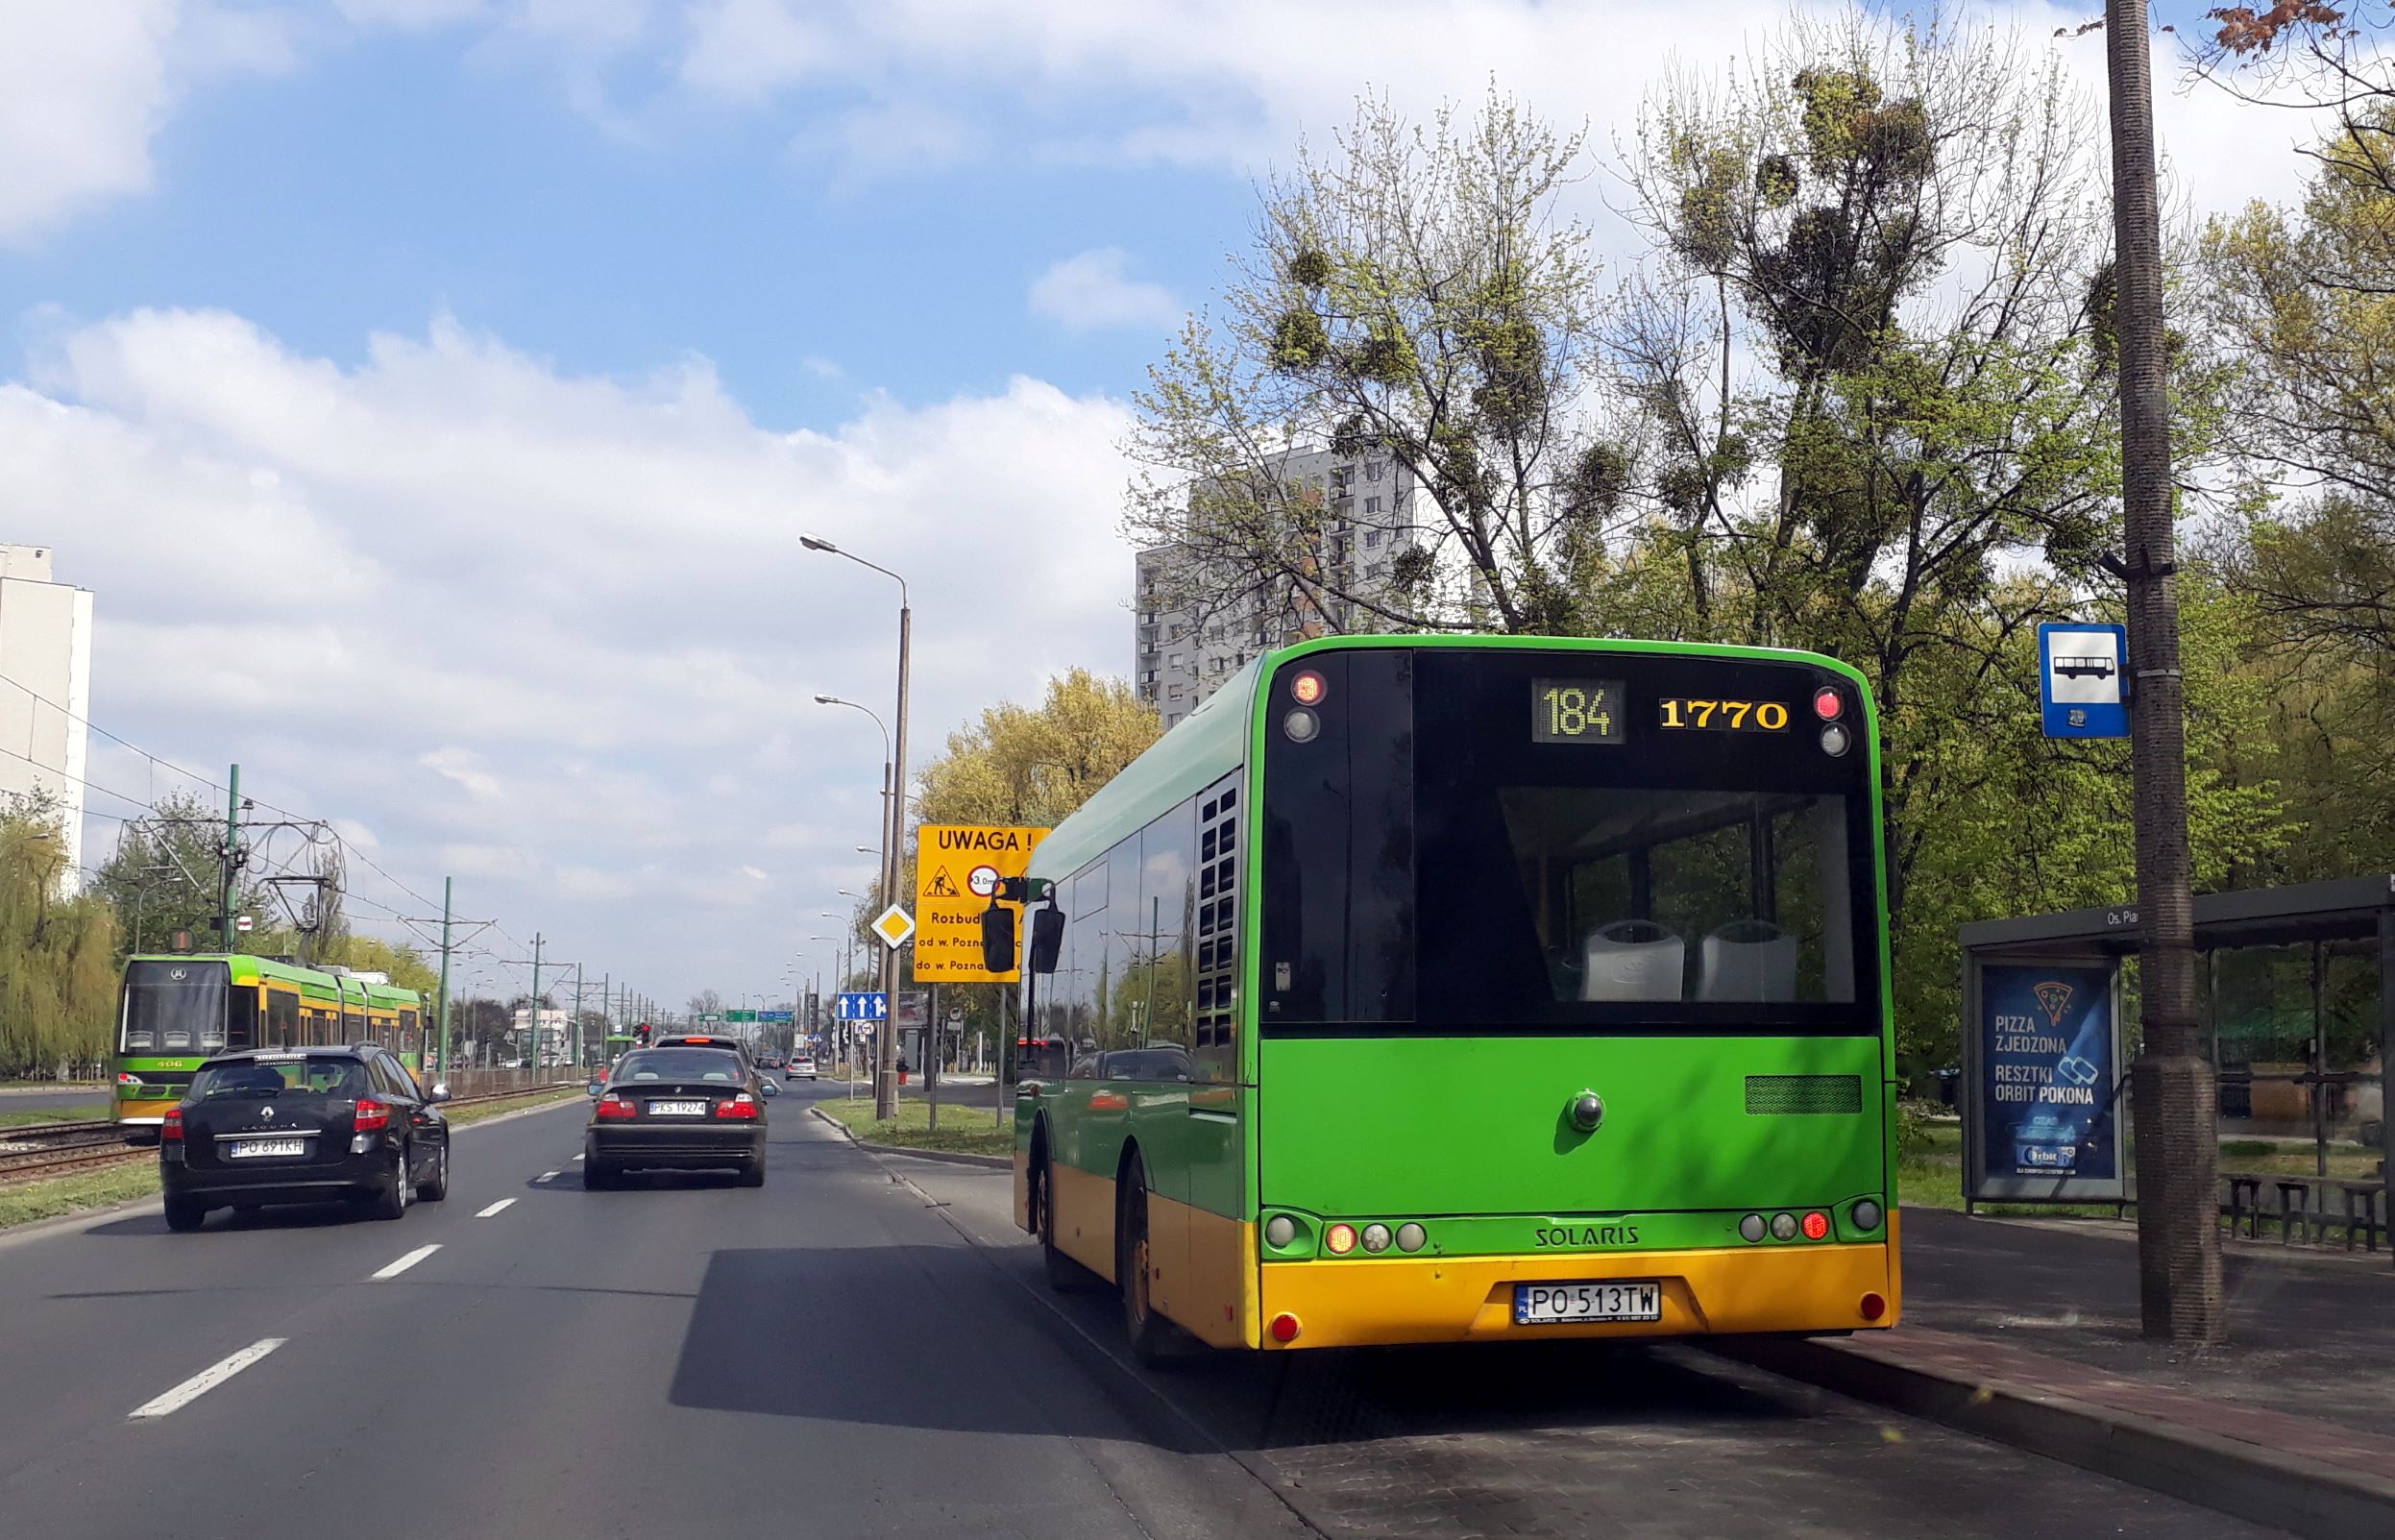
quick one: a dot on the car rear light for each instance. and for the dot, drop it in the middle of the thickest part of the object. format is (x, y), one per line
(742, 1105)
(613, 1105)
(370, 1114)
(1816, 1225)
(170, 1132)
(1285, 1328)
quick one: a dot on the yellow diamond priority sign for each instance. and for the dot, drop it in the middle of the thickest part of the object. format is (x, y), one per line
(893, 925)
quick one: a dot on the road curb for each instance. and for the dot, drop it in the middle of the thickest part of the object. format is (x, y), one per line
(990, 1163)
(508, 1117)
(2265, 1486)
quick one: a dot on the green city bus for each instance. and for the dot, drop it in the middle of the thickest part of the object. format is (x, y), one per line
(1462, 989)
(179, 1009)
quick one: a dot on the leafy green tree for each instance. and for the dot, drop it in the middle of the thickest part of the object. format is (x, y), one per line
(58, 952)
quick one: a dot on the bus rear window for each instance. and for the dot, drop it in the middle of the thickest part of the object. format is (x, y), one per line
(173, 1009)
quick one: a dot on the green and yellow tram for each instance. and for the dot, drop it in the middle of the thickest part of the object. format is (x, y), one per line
(1438, 990)
(177, 1010)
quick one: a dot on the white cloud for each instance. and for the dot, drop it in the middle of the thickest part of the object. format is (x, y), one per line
(409, 13)
(1095, 290)
(553, 635)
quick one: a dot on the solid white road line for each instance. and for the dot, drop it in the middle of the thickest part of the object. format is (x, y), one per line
(206, 1380)
(494, 1207)
(406, 1262)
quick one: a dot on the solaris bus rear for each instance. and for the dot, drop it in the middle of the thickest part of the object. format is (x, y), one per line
(1434, 989)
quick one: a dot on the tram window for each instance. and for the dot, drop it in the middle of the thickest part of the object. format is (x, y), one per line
(174, 1007)
(239, 1028)
(283, 1018)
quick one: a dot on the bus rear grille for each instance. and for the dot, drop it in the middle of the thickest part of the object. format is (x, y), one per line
(1779, 1095)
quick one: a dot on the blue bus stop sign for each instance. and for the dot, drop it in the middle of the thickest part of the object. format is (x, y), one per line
(2083, 680)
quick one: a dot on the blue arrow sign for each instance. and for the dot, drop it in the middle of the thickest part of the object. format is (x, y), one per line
(863, 1006)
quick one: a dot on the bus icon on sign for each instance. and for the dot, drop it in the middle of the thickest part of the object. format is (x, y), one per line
(2085, 667)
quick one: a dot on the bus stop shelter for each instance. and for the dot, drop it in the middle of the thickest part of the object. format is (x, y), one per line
(2296, 994)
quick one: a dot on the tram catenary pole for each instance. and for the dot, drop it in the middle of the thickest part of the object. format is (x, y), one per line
(440, 1027)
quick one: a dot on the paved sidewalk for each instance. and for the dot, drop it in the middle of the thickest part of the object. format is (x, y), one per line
(2027, 1332)
(2312, 1332)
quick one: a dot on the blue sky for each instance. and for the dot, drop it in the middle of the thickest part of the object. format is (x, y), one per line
(523, 337)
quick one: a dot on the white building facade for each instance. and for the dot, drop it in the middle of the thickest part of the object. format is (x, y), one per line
(1183, 654)
(45, 689)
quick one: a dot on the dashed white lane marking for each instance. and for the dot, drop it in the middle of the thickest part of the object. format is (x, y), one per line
(578, 1157)
(206, 1380)
(406, 1262)
(545, 1176)
(494, 1207)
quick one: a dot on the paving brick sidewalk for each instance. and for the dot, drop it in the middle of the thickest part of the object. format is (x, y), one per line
(2311, 1336)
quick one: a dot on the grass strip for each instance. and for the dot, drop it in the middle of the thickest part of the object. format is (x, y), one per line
(963, 1131)
(461, 1116)
(23, 1202)
(35, 1117)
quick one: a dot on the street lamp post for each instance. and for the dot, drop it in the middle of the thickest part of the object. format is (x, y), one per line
(885, 1067)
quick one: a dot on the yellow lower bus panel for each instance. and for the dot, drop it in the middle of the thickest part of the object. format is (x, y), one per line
(1368, 1302)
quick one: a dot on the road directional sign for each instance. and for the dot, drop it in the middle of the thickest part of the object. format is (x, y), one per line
(863, 1004)
(893, 925)
(740, 1016)
(957, 869)
(773, 1015)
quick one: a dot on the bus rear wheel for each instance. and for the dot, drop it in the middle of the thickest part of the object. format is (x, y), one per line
(1065, 1275)
(1152, 1336)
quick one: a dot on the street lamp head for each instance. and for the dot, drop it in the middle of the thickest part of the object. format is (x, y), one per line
(867, 850)
(818, 543)
(829, 700)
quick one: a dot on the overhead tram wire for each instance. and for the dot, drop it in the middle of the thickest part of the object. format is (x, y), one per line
(126, 743)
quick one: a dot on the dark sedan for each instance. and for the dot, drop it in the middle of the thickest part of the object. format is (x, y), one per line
(677, 1108)
(303, 1125)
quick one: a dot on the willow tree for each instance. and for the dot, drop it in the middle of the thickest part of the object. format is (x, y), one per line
(57, 951)
(1418, 296)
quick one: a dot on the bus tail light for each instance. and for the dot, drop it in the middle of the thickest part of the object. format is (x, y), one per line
(1411, 1237)
(370, 1114)
(1816, 1225)
(170, 1132)
(1868, 1214)
(1827, 704)
(1874, 1305)
(1376, 1238)
(1280, 1231)
(1285, 1328)
(1836, 740)
(1302, 725)
(1340, 1239)
(1753, 1227)
(1309, 688)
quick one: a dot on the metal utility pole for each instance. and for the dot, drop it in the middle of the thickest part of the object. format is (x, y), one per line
(2172, 1097)
(532, 1010)
(231, 858)
(574, 1023)
(449, 1049)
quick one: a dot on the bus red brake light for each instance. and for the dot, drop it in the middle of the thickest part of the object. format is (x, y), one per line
(1309, 688)
(1284, 1329)
(170, 1132)
(370, 1114)
(1828, 704)
(1816, 1225)
(1340, 1239)
(1874, 1305)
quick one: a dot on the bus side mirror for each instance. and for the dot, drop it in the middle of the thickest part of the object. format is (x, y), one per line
(998, 939)
(1047, 938)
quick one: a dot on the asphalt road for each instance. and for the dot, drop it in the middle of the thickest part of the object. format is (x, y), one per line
(12, 1100)
(860, 1348)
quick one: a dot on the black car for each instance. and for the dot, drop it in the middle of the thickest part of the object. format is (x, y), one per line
(677, 1108)
(303, 1125)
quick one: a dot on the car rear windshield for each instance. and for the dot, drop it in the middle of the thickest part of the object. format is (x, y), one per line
(681, 1064)
(339, 1079)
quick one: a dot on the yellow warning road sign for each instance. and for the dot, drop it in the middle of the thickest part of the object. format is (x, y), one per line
(957, 867)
